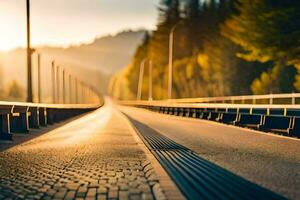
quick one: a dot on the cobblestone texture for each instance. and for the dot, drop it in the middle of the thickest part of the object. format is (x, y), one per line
(95, 157)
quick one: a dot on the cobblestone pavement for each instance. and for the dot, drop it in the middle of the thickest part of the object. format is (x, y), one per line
(94, 157)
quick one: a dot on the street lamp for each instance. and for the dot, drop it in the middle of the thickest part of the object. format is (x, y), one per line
(53, 81)
(39, 78)
(141, 77)
(64, 85)
(150, 98)
(171, 49)
(57, 84)
(70, 88)
(76, 90)
(140, 82)
(29, 53)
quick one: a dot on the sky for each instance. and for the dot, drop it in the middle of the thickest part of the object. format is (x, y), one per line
(66, 22)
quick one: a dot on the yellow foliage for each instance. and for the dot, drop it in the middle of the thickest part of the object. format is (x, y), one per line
(297, 78)
(190, 71)
(203, 60)
(262, 85)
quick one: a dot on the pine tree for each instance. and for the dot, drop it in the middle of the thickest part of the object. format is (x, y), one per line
(170, 15)
(268, 30)
(193, 29)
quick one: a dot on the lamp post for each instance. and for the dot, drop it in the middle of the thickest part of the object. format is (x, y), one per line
(82, 91)
(140, 82)
(39, 78)
(70, 88)
(171, 49)
(58, 84)
(53, 82)
(29, 53)
(64, 85)
(76, 90)
(150, 98)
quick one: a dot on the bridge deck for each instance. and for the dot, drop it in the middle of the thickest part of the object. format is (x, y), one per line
(100, 156)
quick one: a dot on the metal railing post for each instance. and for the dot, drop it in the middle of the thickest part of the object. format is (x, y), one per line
(293, 98)
(53, 82)
(88, 95)
(58, 84)
(271, 99)
(82, 92)
(70, 88)
(39, 78)
(64, 86)
(76, 91)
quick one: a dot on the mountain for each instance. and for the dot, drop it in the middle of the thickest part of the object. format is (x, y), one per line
(93, 63)
(107, 54)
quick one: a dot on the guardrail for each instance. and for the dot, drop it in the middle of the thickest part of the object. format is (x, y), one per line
(282, 119)
(291, 98)
(20, 117)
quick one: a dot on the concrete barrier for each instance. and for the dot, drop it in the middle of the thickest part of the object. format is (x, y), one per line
(21, 117)
(278, 124)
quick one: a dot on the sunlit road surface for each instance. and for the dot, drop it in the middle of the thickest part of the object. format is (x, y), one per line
(93, 157)
(269, 160)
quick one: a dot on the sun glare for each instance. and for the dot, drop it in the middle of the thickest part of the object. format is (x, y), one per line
(46, 17)
(12, 25)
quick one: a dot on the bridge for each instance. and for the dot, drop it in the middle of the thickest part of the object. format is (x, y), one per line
(80, 144)
(173, 149)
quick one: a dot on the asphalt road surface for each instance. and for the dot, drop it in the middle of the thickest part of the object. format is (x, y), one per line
(269, 160)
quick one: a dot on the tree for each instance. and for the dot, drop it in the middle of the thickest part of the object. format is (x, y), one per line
(193, 29)
(169, 11)
(15, 91)
(205, 62)
(268, 30)
(169, 15)
(279, 79)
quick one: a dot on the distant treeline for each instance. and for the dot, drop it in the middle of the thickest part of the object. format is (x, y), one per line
(224, 47)
(13, 92)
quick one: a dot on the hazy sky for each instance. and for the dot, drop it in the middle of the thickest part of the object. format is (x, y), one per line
(62, 22)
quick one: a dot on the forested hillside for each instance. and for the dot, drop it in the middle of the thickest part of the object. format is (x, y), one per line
(225, 47)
